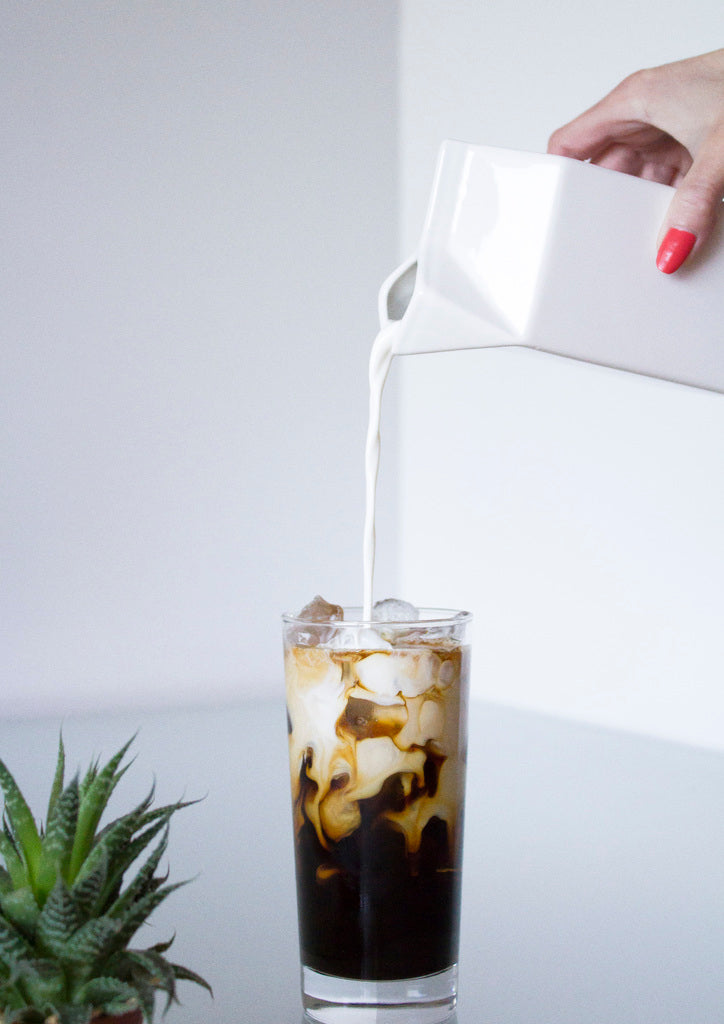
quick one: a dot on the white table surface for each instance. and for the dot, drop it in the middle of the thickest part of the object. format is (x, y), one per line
(594, 863)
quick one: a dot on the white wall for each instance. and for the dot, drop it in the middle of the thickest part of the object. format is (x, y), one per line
(197, 207)
(575, 510)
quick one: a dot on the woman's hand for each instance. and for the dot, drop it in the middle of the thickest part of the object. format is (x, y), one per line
(666, 124)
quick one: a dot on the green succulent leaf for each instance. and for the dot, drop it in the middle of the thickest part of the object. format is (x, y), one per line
(13, 946)
(130, 850)
(117, 848)
(125, 840)
(88, 888)
(134, 916)
(143, 883)
(154, 970)
(108, 994)
(6, 882)
(57, 843)
(184, 974)
(21, 909)
(41, 981)
(93, 803)
(109, 846)
(163, 947)
(58, 920)
(22, 824)
(89, 777)
(94, 941)
(146, 997)
(13, 862)
(142, 838)
(123, 847)
(57, 787)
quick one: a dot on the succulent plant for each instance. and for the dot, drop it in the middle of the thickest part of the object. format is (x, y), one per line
(66, 919)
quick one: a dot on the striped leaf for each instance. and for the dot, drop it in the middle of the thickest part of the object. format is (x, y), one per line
(88, 889)
(115, 845)
(108, 846)
(94, 941)
(108, 994)
(6, 882)
(58, 920)
(15, 869)
(133, 917)
(13, 946)
(58, 840)
(124, 848)
(146, 996)
(13, 861)
(184, 974)
(22, 823)
(21, 909)
(57, 788)
(143, 882)
(156, 819)
(89, 778)
(93, 803)
(154, 968)
(42, 981)
(163, 947)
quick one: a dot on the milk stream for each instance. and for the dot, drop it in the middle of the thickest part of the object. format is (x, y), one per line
(380, 359)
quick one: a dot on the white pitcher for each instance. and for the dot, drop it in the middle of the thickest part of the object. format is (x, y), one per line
(557, 255)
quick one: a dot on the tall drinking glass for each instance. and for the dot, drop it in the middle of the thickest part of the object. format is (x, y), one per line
(377, 745)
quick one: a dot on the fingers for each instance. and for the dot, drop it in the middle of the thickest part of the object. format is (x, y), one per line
(616, 121)
(586, 138)
(695, 207)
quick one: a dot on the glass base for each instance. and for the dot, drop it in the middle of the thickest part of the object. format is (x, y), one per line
(426, 1000)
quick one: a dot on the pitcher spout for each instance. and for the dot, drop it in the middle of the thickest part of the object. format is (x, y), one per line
(427, 321)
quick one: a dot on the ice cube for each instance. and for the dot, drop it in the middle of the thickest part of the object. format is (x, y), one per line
(449, 672)
(358, 638)
(378, 674)
(319, 610)
(405, 672)
(394, 610)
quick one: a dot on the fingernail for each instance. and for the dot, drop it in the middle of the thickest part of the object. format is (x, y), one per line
(676, 246)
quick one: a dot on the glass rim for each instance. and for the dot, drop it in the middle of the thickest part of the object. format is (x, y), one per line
(428, 617)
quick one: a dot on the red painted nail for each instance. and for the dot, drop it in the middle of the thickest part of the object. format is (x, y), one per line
(676, 246)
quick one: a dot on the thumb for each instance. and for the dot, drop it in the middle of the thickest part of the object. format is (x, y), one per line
(695, 208)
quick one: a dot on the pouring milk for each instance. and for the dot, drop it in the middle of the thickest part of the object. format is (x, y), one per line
(380, 360)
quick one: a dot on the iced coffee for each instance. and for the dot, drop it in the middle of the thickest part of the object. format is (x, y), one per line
(377, 736)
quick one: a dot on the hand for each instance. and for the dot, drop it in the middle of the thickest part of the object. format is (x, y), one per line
(665, 124)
